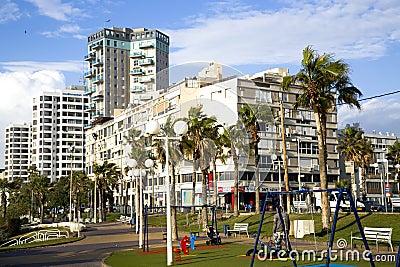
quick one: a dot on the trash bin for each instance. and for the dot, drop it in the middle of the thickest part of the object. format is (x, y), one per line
(226, 228)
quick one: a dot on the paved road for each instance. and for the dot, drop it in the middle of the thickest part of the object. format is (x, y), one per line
(100, 241)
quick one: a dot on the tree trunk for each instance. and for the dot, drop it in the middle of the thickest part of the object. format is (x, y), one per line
(204, 215)
(41, 209)
(235, 182)
(174, 228)
(257, 179)
(214, 174)
(101, 205)
(193, 187)
(4, 203)
(322, 158)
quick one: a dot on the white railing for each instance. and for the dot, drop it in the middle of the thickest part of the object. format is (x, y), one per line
(38, 236)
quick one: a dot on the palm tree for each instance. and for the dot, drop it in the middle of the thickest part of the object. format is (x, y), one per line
(81, 184)
(251, 116)
(199, 143)
(322, 81)
(394, 155)
(107, 176)
(356, 148)
(7, 186)
(39, 185)
(234, 139)
(175, 156)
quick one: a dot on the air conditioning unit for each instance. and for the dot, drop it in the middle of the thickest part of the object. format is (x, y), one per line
(316, 167)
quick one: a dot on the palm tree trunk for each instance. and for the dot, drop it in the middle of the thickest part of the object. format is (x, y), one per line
(193, 187)
(41, 209)
(322, 157)
(174, 228)
(235, 181)
(214, 174)
(257, 179)
(101, 205)
(4, 203)
(204, 215)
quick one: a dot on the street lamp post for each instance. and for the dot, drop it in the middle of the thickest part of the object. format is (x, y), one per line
(94, 135)
(180, 128)
(71, 150)
(298, 162)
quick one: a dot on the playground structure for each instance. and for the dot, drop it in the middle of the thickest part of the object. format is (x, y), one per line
(340, 191)
(212, 235)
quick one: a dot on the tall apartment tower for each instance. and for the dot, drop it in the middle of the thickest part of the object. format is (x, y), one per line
(124, 66)
(17, 152)
(58, 132)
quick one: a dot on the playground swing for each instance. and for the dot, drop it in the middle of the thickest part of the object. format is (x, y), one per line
(330, 245)
(214, 239)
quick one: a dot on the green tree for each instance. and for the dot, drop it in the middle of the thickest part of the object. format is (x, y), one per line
(355, 147)
(251, 117)
(234, 138)
(175, 157)
(107, 176)
(39, 185)
(322, 82)
(198, 142)
(9, 187)
(394, 155)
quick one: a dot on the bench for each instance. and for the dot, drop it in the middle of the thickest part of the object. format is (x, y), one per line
(240, 228)
(379, 235)
(299, 206)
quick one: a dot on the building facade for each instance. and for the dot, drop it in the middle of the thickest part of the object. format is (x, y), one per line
(124, 67)
(58, 139)
(222, 98)
(17, 151)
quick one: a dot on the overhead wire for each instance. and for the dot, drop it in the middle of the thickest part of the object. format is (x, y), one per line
(373, 97)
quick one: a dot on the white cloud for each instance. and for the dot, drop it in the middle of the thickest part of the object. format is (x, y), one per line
(56, 9)
(64, 31)
(17, 92)
(380, 114)
(8, 11)
(350, 29)
(30, 66)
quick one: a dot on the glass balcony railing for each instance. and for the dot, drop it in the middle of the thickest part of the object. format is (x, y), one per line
(90, 56)
(88, 74)
(98, 79)
(137, 72)
(147, 61)
(138, 88)
(89, 91)
(136, 54)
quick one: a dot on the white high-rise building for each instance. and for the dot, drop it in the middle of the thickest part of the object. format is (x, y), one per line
(124, 66)
(17, 152)
(58, 132)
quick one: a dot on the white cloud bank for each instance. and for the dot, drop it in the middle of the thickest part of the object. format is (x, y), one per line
(236, 34)
(17, 92)
(381, 115)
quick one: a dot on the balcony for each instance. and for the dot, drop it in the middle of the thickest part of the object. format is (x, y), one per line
(145, 97)
(97, 62)
(98, 114)
(146, 44)
(136, 89)
(137, 72)
(88, 74)
(87, 126)
(147, 61)
(97, 97)
(98, 79)
(89, 91)
(146, 79)
(136, 54)
(90, 107)
(90, 56)
(97, 45)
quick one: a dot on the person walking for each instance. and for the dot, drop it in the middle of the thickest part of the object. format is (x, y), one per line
(279, 230)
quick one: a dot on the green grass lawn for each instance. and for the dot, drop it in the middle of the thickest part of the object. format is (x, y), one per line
(228, 254)
(345, 225)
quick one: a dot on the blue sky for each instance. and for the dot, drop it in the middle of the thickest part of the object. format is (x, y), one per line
(44, 42)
